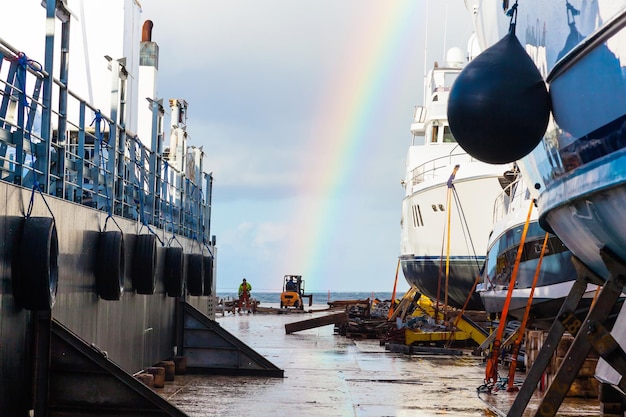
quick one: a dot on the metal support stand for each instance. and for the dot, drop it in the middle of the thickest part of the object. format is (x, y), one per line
(593, 336)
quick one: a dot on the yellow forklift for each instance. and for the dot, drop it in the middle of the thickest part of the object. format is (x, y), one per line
(293, 293)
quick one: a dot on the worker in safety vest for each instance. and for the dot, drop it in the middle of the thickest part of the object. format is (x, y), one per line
(244, 295)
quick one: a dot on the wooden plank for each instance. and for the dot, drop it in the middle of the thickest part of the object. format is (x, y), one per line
(338, 303)
(336, 318)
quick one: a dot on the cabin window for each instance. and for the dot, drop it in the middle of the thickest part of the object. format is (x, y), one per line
(434, 134)
(448, 137)
(417, 216)
(450, 78)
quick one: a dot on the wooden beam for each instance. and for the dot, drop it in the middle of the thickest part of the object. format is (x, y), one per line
(336, 318)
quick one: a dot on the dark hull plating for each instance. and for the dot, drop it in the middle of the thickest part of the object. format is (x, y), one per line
(136, 331)
(428, 276)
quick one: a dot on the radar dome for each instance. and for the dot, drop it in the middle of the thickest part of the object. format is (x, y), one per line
(455, 57)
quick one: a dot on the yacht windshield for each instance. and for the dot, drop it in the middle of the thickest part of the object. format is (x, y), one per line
(448, 137)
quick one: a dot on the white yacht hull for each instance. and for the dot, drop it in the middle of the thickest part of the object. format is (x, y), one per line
(426, 250)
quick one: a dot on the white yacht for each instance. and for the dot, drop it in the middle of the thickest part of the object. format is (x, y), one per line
(446, 211)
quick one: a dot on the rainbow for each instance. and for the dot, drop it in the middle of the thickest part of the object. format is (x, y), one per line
(388, 32)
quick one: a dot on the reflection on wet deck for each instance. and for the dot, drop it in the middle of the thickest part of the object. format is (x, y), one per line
(330, 375)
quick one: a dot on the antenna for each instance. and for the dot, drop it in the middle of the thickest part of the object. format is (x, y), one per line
(426, 51)
(445, 29)
(86, 52)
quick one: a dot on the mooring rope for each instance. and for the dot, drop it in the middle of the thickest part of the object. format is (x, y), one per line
(24, 62)
(36, 189)
(491, 369)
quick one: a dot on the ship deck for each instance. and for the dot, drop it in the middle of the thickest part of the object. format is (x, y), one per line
(331, 375)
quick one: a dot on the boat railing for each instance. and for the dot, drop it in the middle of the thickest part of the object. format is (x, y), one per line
(514, 196)
(53, 141)
(432, 168)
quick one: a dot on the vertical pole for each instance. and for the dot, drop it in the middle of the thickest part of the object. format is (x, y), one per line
(393, 294)
(152, 187)
(491, 369)
(113, 152)
(81, 152)
(122, 137)
(46, 115)
(59, 189)
(209, 197)
(20, 156)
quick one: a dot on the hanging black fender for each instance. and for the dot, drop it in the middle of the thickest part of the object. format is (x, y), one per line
(195, 274)
(36, 274)
(208, 275)
(144, 264)
(174, 272)
(499, 106)
(110, 265)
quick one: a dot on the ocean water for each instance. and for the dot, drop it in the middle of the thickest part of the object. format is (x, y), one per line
(270, 298)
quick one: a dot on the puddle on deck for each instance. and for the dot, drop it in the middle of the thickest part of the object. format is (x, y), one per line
(330, 375)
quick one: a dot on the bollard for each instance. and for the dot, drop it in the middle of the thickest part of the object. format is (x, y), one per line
(180, 363)
(159, 375)
(146, 379)
(169, 369)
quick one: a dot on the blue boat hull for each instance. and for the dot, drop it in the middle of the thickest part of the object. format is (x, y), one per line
(556, 276)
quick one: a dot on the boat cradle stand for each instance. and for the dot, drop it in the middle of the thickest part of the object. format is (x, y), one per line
(588, 334)
(73, 378)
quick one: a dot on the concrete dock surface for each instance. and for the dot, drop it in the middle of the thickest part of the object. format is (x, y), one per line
(331, 375)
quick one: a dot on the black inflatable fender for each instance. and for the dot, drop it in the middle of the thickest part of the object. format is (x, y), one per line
(195, 274)
(174, 278)
(208, 275)
(499, 106)
(36, 276)
(144, 264)
(110, 265)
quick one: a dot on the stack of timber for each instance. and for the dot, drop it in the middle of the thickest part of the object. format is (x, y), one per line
(585, 385)
(357, 328)
(364, 321)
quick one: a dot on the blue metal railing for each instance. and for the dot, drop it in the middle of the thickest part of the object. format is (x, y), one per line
(91, 160)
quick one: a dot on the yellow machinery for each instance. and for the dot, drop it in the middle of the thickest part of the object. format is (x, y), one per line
(293, 292)
(465, 328)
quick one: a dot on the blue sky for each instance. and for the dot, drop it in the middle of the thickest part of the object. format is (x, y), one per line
(253, 72)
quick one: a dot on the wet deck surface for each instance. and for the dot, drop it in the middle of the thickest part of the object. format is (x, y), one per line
(330, 375)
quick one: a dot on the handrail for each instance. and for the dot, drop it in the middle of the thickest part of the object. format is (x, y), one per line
(86, 169)
(512, 196)
(429, 169)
